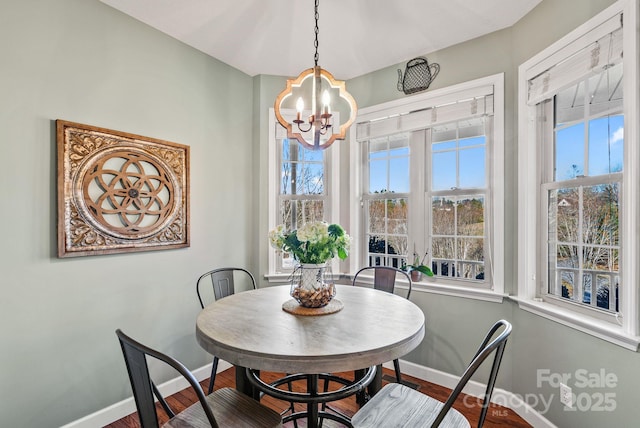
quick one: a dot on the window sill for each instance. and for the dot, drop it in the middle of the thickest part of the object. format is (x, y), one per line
(443, 289)
(285, 278)
(418, 287)
(278, 278)
(601, 329)
(458, 291)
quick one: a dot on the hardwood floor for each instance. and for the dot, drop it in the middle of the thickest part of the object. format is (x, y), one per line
(497, 416)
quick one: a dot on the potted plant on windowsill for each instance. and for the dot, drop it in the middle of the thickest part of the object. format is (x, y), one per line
(417, 268)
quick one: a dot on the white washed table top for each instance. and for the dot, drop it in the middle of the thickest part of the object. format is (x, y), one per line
(250, 329)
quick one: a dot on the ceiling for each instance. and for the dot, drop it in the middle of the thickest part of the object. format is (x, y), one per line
(355, 36)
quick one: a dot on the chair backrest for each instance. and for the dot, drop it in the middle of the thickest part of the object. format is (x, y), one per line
(222, 281)
(135, 357)
(487, 347)
(384, 277)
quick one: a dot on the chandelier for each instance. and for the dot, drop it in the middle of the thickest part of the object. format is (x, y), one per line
(327, 99)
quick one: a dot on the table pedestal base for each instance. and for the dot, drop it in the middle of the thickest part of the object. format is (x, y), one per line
(252, 384)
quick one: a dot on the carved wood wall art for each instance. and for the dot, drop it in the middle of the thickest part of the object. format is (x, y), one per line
(119, 192)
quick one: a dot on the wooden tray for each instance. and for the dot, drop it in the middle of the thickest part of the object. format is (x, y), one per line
(293, 307)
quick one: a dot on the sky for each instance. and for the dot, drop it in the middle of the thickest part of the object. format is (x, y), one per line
(596, 152)
(600, 151)
(470, 153)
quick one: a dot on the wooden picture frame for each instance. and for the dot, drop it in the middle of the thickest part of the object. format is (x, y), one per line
(119, 192)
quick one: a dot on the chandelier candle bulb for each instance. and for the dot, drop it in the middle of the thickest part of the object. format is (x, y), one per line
(326, 99)
(299, 108)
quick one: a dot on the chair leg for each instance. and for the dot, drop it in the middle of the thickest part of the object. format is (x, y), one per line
(214, 370)
(396, 365)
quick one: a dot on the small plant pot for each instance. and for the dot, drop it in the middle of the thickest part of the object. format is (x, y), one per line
(416, 275)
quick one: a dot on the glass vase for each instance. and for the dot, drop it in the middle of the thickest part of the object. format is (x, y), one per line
(312, 285)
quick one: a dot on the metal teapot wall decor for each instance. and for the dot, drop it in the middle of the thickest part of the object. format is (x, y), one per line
(418, 75)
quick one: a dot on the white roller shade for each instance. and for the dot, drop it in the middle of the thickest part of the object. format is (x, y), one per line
(480, 104)
(604, 50)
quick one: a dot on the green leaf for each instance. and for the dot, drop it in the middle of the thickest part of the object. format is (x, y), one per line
(424, 269)
(342, 253)
(335, 230)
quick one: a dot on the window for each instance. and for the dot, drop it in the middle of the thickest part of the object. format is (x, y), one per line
(300, 187)
(386, 200)
(458, 193)
(427, 184)
(575, 188)
(301, 197)
(582, 176)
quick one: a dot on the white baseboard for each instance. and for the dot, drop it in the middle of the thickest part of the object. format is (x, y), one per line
(126, 407)
(476, 389)
(505, 398)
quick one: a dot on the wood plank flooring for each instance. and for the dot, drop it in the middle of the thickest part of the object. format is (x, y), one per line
(497, 416)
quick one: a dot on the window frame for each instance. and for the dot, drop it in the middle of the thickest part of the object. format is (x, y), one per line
(495, 166)
(622, 330)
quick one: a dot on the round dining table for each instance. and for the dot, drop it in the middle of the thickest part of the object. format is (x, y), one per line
(253, 330)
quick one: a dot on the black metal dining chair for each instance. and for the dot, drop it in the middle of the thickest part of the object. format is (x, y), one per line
(223, 283)
(226, 407)
(384, 278)
(398, 406)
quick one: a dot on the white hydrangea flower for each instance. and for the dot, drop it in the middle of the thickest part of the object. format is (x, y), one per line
(313, 231)
(276, 237)
(312, 242)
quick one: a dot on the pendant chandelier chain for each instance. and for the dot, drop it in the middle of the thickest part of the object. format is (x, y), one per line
(317, 130)
(315, 43)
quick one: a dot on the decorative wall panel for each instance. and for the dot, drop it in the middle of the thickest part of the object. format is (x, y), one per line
(119, 192)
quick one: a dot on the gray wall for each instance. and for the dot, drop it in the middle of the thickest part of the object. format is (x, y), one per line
(80, 60)
(546, 345)
(453, 324)
(83, 61)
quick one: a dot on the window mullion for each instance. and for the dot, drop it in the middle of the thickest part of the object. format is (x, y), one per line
(545, 129)
(585, 146)
(489, 202)
(416, 197)
(579, 293)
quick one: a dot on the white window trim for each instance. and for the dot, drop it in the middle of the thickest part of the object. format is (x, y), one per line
(332, 189)
(626, 334)
(417, 102)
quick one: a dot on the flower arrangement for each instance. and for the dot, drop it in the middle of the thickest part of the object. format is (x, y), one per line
(314, 242)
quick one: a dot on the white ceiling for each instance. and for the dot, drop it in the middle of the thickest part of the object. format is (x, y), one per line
(356, 36)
